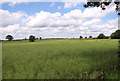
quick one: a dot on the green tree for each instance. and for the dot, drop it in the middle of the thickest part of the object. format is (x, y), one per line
(115, 35)
(107, 37)
(101, 36)
(36, 38)
(85, 37)
(9, 37)
(102, 4)
(31, 38)
(25, 39)
(40, 38)
(90, 36)
(81, 37)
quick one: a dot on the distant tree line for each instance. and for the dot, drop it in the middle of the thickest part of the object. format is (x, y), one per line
(31, 38)
(114, 35)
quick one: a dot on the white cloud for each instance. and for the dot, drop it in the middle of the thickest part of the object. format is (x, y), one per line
(74, 14)
(13, 3)
(46, 24)
(11, 29)
(93, 21)
(71, 4)
(98, 12)
(44, 19)
(59, 7)
(74, 18)
(43, 1)
(70, 31)
(8, 18)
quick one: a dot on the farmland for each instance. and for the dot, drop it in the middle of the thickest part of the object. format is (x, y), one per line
(60, 59)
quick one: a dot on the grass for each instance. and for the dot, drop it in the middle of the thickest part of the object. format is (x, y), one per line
(60, 59)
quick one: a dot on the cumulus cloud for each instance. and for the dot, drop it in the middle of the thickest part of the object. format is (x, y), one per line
(8, 18)
(93, 21)
(44, 19)
(46, 24)
(98, 12)
(73, 18)
(70, 31)
(11, 29)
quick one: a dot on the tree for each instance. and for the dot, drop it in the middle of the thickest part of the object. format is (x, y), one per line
(107, 37)
(36, 38)
(101, 36)
(90, 36)
(40, 38)
(9, 37)
(25, 39)
(85, 37)
(31, 38)
(102, 4)
(115, 35)
(81, 37)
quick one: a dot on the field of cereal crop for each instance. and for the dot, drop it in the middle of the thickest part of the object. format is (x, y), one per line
(60, 59)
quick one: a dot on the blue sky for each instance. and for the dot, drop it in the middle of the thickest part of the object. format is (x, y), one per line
(34, 7)
(55, 19)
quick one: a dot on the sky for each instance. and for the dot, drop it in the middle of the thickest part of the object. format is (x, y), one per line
(55, 20)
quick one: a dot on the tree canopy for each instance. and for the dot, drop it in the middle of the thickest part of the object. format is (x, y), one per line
(115, 35)
(81, 37)
(101, 36)
(90, 36)
(9, 37)
(102, 4)
(40, 38)
(31, 38)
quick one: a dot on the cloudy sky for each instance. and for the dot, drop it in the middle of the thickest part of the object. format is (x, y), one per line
(55, 19)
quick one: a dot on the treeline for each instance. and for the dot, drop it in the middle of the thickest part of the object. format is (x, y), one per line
(114, 35)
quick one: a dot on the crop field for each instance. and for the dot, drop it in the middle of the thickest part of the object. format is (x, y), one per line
(60, 59)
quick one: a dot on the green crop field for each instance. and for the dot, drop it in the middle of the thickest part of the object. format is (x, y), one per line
(60, 59)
